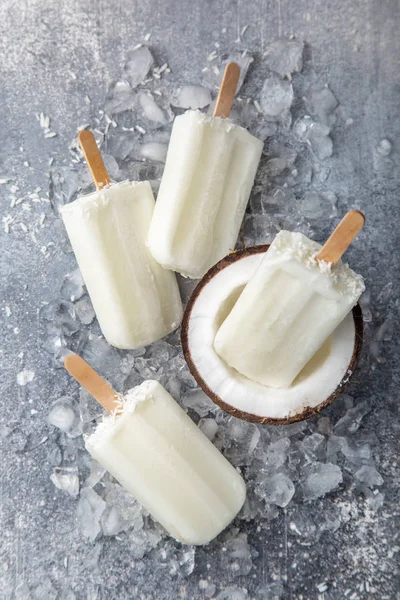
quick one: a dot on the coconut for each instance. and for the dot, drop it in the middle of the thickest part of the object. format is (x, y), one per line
(319, 383)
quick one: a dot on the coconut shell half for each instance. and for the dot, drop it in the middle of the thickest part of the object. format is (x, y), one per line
(321, 381)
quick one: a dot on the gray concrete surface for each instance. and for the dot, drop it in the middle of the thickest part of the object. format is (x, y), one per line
(354, 45)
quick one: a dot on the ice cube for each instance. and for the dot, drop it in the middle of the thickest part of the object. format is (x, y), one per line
(320, 142)
(123, 145)
(313, 446)
(143, 541)
(58, 317)
(73, 286)
(276, 97)
(351, 421)
(321, 478)
(63, 186)
(96, 474)
(128, 512)
(235, 556)
(245, 438)
(63, 415)
(384, 147)
(274, 166)
(138, 65)
(301, 524)
(66, 479)
(365, 302)
(102, 357)
(54, 456)
(276, 453)
(191, 96)
(322, 104)
(316, 135)
(179, 561)
(315, 206)
(209, 427)
(276, 489)
(151, 113)
(111, 166)
(120, 97)
(198, 401)
(284, 56)
(84, 310)
(369, 476)
(154, 151)
(90, 411)
(89, 511)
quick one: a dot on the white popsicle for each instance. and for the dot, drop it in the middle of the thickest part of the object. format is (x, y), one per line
(165, 461)
(136, 301)
(288, 309)
(208, 176)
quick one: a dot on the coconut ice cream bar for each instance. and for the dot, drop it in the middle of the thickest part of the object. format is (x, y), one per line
(290, 306)
(136, 301)
(163, 459)
(209, 172)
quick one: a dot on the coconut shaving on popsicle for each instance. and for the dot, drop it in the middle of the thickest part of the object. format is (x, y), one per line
(294, 301)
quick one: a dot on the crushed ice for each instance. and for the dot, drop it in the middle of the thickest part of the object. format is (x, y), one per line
(287, 468)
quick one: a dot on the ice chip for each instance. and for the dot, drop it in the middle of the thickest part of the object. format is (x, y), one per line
(236, 559)
(143, 541)
(322, 104)
(209, 427)
(369, 476)
(315, 206)
(197, 400)
(191, 96)
(245, 438)
(276, 96)
(321, 479)
(66, 479)
(284, 56)
(62, 414)
(89, 510)
(73, 286)
(138, 65)
(151, 113)
(58, 317)
(120, 97)
(84, 310)
(351, 421)
(154, 151)
(277, 489)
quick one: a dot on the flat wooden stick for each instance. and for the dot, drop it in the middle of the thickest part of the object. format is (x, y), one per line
(91, 381)
(338, 242)
(227, 90)
(94, 159)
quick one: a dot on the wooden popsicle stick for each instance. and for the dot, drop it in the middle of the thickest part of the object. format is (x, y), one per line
(91, 381)
(227, 90)
(94, 159)
(341, 238)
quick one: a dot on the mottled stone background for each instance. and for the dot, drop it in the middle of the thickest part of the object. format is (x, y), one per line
(355, 46)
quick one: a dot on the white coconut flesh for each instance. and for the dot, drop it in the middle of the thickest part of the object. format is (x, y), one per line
(316, 382)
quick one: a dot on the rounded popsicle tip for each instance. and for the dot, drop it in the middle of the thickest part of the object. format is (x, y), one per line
(322, 380)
